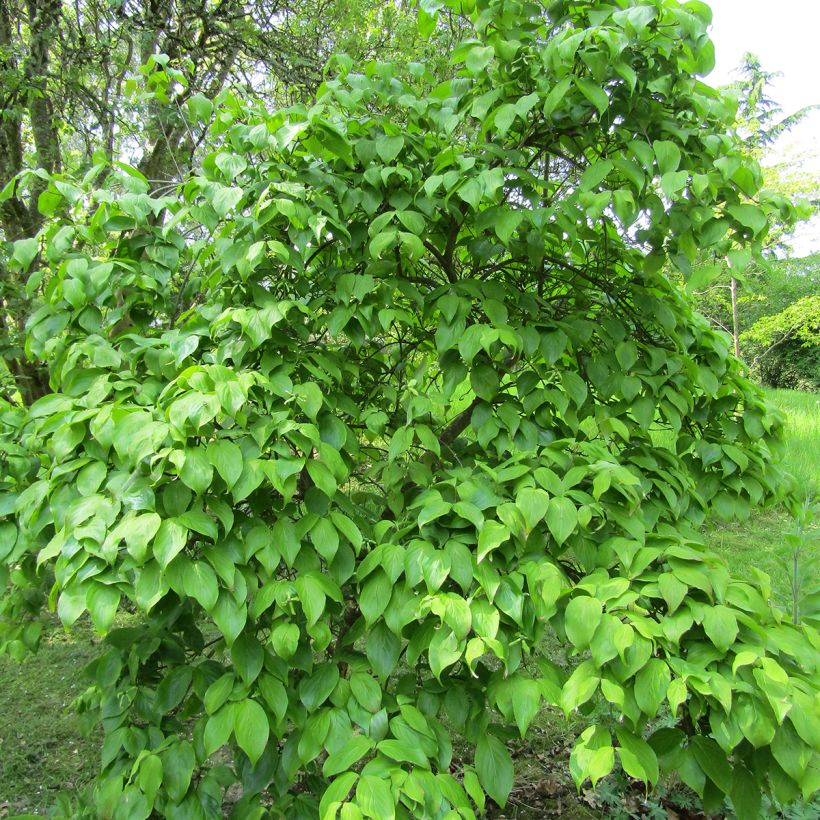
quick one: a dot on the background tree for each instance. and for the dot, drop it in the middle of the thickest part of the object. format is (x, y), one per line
(760, 122)
(379, 397)
(85, 84)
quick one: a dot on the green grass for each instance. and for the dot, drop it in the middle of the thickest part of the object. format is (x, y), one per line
(42, 750)
(802, 412)
(759, 541)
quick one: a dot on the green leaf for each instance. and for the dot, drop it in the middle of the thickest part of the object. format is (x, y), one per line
(478, 58)
(556, 95)
(562, 518)
(334, 141)
(224, 200)
(668, 155)
(383, 649)
(309, 398)
(171, 538)
(200, 108)
(720, 624)
(250, 726)
(366, 691)
(199, 582)
(506, 223)
(321, 476)
(374, 596)
(533, 503)
(471, 192)
(637, 757)
(750, 216)
(382, 241)
(342, 759)
(317, 688)
(285, 639)
(503, 118)
(178, 763)
(713, 761)
(197, 472)
(492, 535)
(580, 686)
(312, 597)
(337, 791)
(248, 656)
(443, 651)
(745, 794)
(581, 619)
(374, 798)
(673, 590)
(594, 93)
(494, 767)
(651, 685)
(24, 251)
(218, 729)
(102, 602)
(173, 688)
(226, 457)
(526, 703)
(389, 147)
(592, 756)
(231, 165)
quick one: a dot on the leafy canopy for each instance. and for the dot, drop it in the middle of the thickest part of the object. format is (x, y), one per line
(379, 399)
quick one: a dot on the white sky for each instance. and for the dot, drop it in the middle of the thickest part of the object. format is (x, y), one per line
(784, 35)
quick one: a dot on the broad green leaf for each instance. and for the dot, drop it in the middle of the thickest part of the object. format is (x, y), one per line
(668, 155)
(178, 763)
(315, 689)
(478, 58)
(285, 639)
(713, 761)
(492, 535)
(494, 767)
(533, 503)
(750, 216)
(24, 252)
(200, 108)
(102, 602)
(651, 685)
(581, 619)
(353, 751)
(250, 726)
(383, 649)
(637, 757)
(374, 798)
(248, 656)
(720, 625)
(226, 457)
(312, 597)
(171, 538)
(224, 200)
(200, 583)
(389, 147)
(562, 518)
(594, 93)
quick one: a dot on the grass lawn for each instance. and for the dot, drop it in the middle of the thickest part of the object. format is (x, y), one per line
(759, 541)
(42, 749)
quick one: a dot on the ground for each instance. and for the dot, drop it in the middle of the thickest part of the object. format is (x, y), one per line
(42, 748)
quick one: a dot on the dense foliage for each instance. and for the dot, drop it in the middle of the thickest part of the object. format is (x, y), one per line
(87, 82)
(377, 401)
